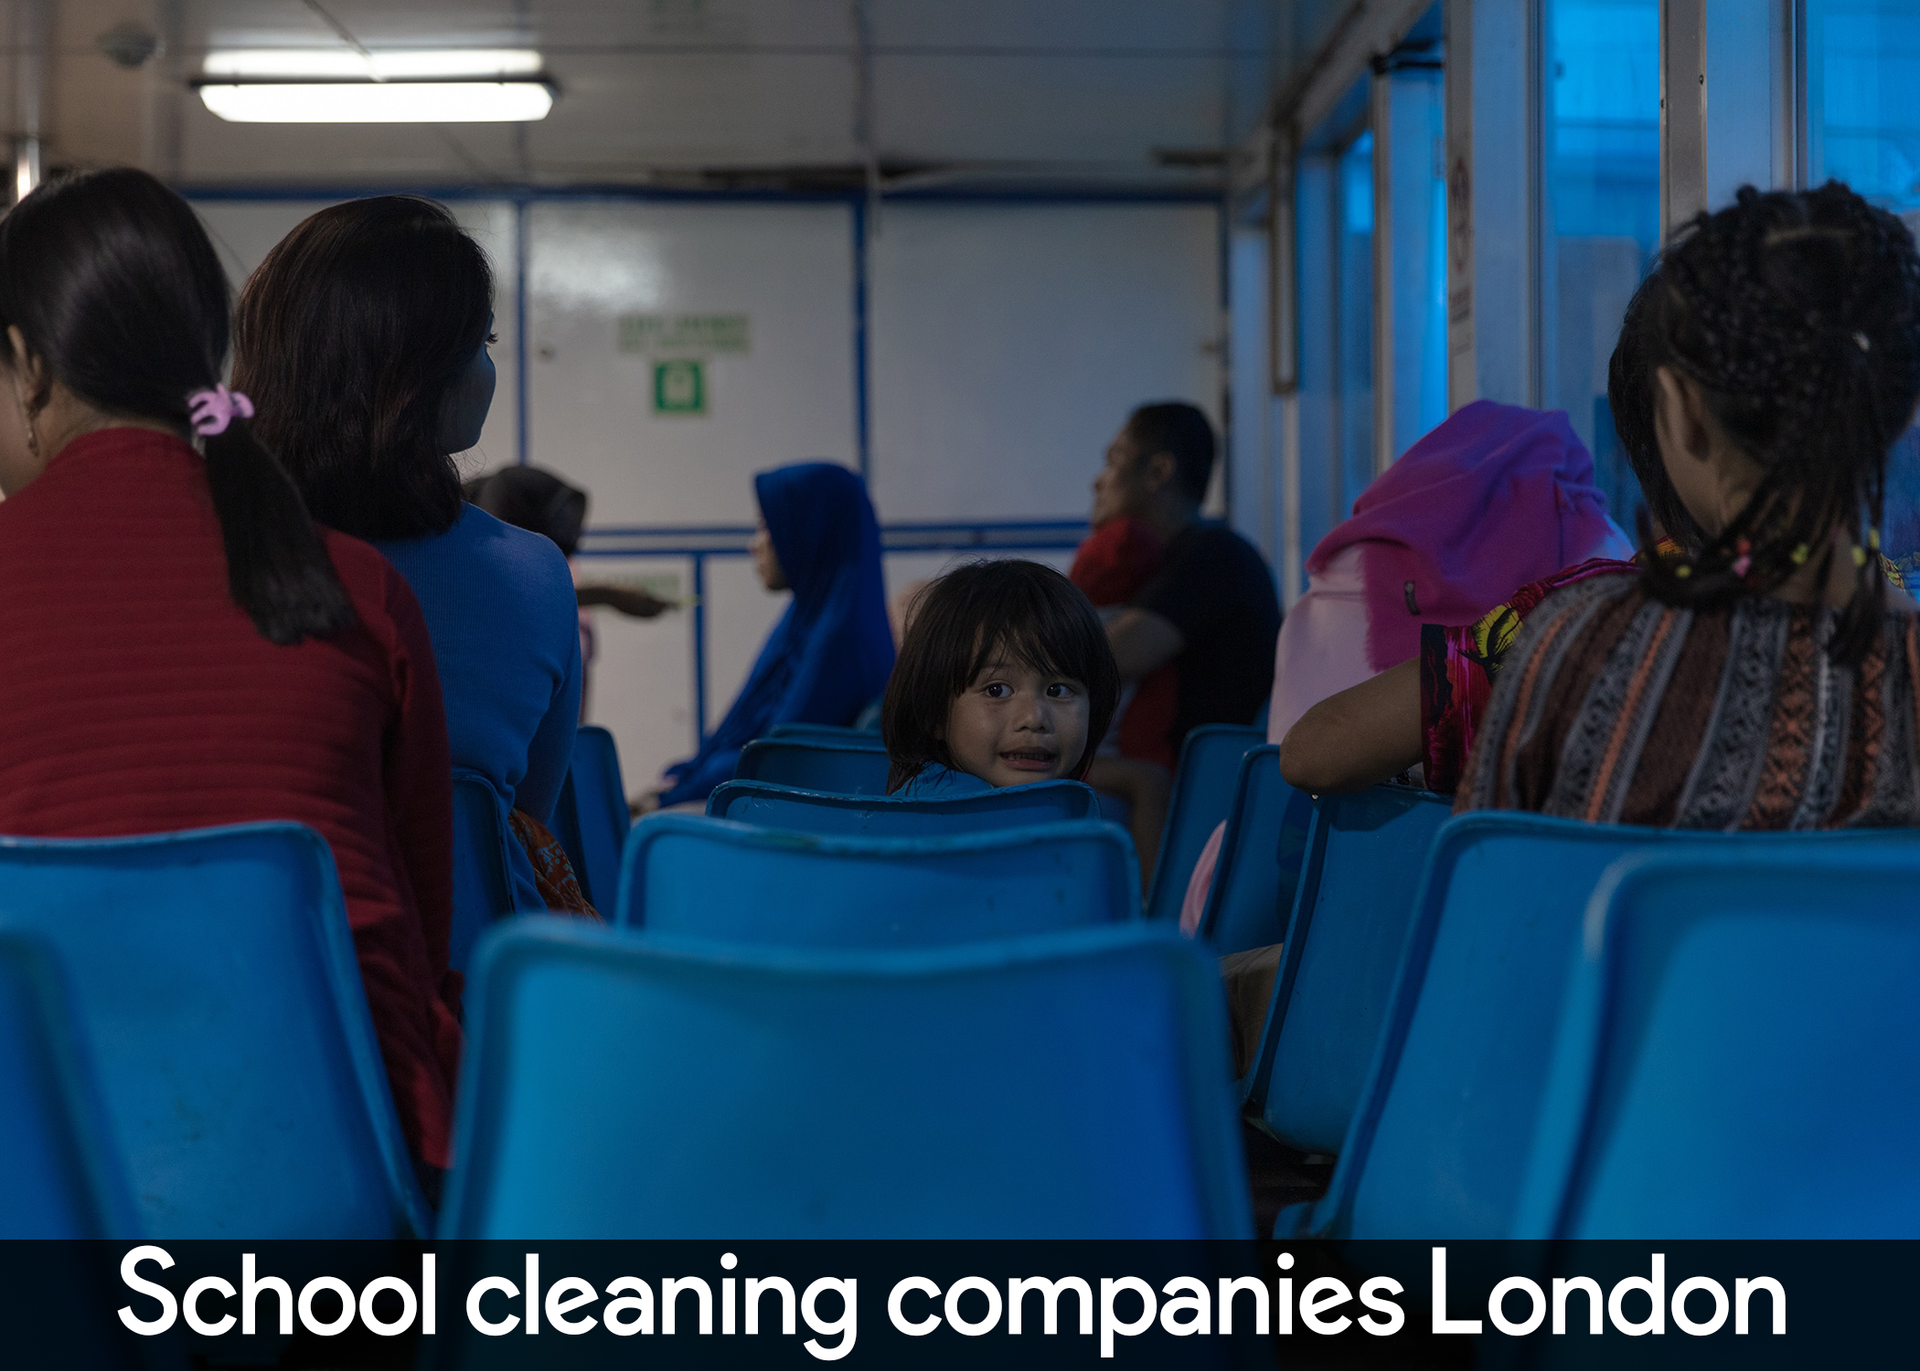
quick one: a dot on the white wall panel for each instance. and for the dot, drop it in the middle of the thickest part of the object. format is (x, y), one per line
(740, 614)
(641, 686)
(789, 398)
(1009, 343)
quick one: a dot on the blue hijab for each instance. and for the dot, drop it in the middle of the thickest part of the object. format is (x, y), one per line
(831, 652)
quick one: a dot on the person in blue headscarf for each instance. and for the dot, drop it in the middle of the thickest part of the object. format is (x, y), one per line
(831, 652)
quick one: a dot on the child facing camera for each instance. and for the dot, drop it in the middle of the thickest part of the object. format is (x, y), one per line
(1005, 678)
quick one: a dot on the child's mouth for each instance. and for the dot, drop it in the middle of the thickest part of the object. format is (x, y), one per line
(1028, 759)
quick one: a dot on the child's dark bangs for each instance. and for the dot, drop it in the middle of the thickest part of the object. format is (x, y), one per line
(1033, 638)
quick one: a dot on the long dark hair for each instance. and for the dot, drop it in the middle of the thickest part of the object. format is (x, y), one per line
(1028, 611)
(349, 337)
(1630, 398)
(111, 280)
(1798, 314)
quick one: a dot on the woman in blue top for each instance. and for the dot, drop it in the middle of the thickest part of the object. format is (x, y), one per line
(829, 655)
(364, 338)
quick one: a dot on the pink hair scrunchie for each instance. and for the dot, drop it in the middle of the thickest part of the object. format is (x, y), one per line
(212, 410)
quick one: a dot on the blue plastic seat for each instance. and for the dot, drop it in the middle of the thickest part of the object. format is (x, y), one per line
(1440, 1138)
(1260, 858)
(59, 1177)
(830, 734)
(1203, 788)
(214, 980)
(712, 879)
(592, 816)
(1072, 1086)
(1351, 909)
(836, 768)
(59, 1181)
(1732, 1018)
(873, 816)
(482, 878)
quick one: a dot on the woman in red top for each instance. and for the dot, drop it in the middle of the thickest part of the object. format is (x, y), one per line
(184, 646)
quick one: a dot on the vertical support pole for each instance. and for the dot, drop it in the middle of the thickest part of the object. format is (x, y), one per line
(1380, 95)
(31, 37)
(1462, 384)
(1790, 83)
(522, 250)
(862, 432)
(1683, 111)
(1494, 277)
(1223, 330)
(699, 650)
(1283, 323)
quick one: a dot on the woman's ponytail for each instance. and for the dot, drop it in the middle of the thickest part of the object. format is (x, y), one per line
(114, 283)
(278, 569)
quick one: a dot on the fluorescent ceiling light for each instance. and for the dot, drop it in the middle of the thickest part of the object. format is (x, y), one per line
(371, 102)
(343, 65)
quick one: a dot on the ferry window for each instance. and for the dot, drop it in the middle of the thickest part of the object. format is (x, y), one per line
(1863, 124)
(1863, 127)
(1600, 211)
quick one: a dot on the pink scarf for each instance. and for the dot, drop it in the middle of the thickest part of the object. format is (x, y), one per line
(1494, 498)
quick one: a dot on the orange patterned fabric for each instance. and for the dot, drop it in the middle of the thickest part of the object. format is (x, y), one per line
(1615, 707)
(552, 869)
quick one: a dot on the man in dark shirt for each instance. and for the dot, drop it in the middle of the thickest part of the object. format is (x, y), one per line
(1211, 606)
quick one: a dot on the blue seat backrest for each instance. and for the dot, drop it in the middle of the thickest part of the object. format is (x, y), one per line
(1202, 794)
(1729, 1014)
(713, 879)
(1350, 915)
(482, 876)
(811, 811)
(1260, 858)
(59, 1180)
(214, 979)
(1071, 1086)
(837, 768)
(827, 733)
(59, 1177)
(1440, 1137)
(600, 806)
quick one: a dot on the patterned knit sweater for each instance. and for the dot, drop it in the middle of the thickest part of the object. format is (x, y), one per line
(137, 698)
(1616, 708)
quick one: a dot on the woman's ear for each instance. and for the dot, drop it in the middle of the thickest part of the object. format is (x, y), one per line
(31, 373)
(1159, 471)
(1680, 414)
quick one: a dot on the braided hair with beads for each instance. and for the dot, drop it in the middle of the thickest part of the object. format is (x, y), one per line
(1797, 313)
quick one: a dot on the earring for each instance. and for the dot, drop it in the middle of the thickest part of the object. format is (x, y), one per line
(33, 438)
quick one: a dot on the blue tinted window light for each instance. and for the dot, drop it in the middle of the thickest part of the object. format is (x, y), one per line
(1602, 210)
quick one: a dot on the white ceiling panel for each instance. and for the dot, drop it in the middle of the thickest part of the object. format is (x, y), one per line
(676, 87)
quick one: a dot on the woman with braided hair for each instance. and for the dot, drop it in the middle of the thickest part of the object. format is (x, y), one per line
(1766, 678)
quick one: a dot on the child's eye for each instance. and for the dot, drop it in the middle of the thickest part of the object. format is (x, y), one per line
(997, 690)
(492, 339)
(1061, 690)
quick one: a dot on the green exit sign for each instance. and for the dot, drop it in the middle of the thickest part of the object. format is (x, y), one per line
(680, 386)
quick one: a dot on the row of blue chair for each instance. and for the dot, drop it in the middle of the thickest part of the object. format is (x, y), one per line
(1482, 1070)
(196, 1052)
(868, 996)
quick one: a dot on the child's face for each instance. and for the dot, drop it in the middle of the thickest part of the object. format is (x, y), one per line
(1014, 724)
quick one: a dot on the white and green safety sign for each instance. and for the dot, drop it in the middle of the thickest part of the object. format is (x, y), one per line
(683, 333)
(680, 386)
